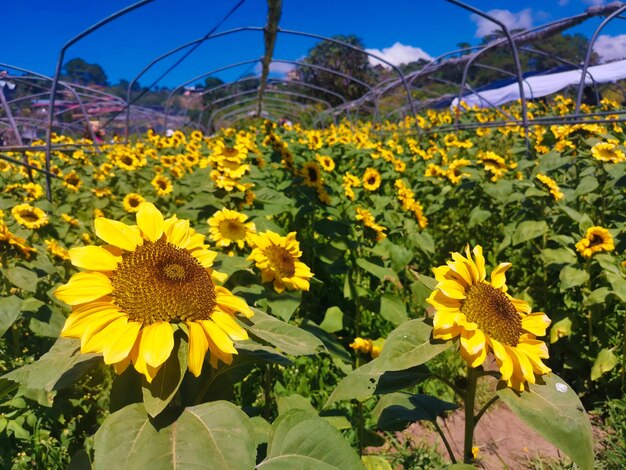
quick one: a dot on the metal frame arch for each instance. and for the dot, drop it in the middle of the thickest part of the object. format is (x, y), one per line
(583, 75)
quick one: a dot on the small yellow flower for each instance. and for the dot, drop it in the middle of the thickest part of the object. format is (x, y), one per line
(132, 202)
(552, 186)
(371, 179)
(607, 152)
(596, 239)
(162, 185)
(230, 227)
(29, 216)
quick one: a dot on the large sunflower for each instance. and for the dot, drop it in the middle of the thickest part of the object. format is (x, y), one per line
(148, 278)
(596, 239)
(228, 227)
(371, 179)
(278, 259)
(487, 319)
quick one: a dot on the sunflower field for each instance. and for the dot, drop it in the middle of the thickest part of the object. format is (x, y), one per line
(280, 297)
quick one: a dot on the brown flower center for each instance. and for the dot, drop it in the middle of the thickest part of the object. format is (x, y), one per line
(161, 282)
(596, 240)
(281, 261)
(233, 229)
(493, 312)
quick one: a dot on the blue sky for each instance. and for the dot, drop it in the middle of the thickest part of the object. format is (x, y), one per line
(35, 30)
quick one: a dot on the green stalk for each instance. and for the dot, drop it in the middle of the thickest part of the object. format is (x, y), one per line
(267, 391)
(470, 422)
(589, 313)
(445, 442)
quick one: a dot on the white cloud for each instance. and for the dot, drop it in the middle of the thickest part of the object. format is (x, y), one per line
(279, 68)
(398, 54)
(521, 20)
(562, 3)
(610, 47)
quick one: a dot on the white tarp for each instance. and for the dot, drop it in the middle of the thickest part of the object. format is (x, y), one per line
(537, 86)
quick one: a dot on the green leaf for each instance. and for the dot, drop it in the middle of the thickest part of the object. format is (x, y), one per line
(477, 216)
(560, 329)
(528, 230)
(410, 345)
(286, 338)
(395, 411)
(558, 256)
(552, 161)
(301, 439)
(10, 309)
(158, 393)
(604, 363)
(598, 296)
(587, 185)
(216, 434)
(261, 429)
(294, 402)
(284, 305)
(618, 283)
(553, 409)
(499, 191)
(392, 309)
(52, 325)
(572, 277)
(429, 282)
(60, 367)
(21, 277)
(371, 379)
(333, 320)
(380, 272)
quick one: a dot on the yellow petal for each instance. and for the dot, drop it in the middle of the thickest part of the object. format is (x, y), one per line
(84, 287)
(227, 323)
(536, 323)
(101, 338)
(117, 233)
(118, 349)
(498, 279)
(221, 340)
(94, 258)
(440, 273)
(473, 342)
(480, 262)
(150, 221)
(205, 257)
(121, 366)
(81, 319)
(176, 230)
(93, 329)
(198, 346)
(452, 289)
(503, 358)
(461, 269)
(157, 342)
(229, 302)
(443, 320)
(525, 366)
(218, 276)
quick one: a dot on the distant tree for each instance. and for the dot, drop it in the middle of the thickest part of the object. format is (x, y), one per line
(83, 73)
(341, 59)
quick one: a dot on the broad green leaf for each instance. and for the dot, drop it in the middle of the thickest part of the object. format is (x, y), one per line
(528, 230)
(553, 409)
(216, 434)
(604, 363)
(422, 241)
(333, 320)
(10, 309)
(334, 347)
(375, 462)
(558, 256)
(607, 261)
(284, 305)
(301, 439)
(261, 429)
(395, 411)
(380, 272)
(230, 264)
(49, 326)
(392, 309)
(499, 191)
(294, 402)
(286, 338)
(429, 282)
(410, 345)
(158, 393)
(598, 296)
(477, 216)
(60, 367)
(587, 185)
(551, 161)
(572, 277)
(372, 379)
(21, 277)
(618, 283)
(560, 329)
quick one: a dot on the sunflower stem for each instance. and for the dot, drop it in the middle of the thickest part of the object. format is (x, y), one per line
(470, 422)
(445, 442)
(589, 313)
(485, 408)
(267, 391)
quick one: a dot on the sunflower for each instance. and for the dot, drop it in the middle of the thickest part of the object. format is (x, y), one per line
(312, 174)
(72, 181)
(57, 250)
(132, 202)
(18, 243)
(147, 279)
(29, 216)
(556, 192)
(228, 227)
(596, 239)
(162, 185)
(278, 259)
(328, 164)
(73, 221)
(487, 319)
(371, 179)
(607, 152)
